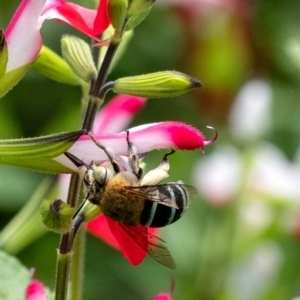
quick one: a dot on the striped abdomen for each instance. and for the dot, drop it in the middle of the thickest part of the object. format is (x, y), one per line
(156, 214)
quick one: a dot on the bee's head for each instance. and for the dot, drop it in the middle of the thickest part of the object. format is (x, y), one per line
(102, 175)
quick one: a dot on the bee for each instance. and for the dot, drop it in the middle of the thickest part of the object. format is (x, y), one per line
(135, 200)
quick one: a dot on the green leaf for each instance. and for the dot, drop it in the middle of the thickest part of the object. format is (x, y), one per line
(14, 278)
(37, 153)
(55, 67)
(10, 79)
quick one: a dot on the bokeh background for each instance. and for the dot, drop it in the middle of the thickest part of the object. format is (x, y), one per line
(240, 239)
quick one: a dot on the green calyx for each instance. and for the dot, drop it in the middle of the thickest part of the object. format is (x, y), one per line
(37, 153)
(53, 66)
(117, 10)
(156, 85)
(77, 54)
(57, 215)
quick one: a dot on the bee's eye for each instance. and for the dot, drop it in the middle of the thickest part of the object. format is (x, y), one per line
(101, 175)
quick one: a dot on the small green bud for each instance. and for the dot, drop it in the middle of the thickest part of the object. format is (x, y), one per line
(78, 55)
(117, 12)
(53, 66)
(57, 215)
(3, 54)
(138, 10)
(156, 85)
(89, 211)
(139, 6)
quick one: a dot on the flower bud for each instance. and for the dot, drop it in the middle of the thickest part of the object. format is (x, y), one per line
(89, 211)
(139, 6)
(78, 55)
(53, 66)
(138, 10)
(156, 85)
(117, 12)
(57, 215)
(3, 53)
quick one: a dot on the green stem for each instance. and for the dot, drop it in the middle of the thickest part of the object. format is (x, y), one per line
(96, 88)
(77, 268)
(62, 275)
(66, 244)
(65, 249)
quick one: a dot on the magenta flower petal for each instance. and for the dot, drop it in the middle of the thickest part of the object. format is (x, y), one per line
(163, 135)
(163, 297)
(114, 235)
(99, 227)
(88, 21)
(130, 249)
(35, 291)
(118, 113)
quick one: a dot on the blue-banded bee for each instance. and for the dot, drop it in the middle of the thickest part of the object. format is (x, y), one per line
(134, 200)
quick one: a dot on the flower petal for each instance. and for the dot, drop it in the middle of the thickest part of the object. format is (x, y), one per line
(102, 19)
(130, 249)
(148, 137)
(114, 235)
(81, 18)
(117, 114)
(35, 291)
(24, 48)
(99, 227)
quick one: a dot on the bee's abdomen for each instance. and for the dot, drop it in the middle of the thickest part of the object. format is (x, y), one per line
(156, 214)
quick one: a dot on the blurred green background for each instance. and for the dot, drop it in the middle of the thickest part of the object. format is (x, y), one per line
(240, 237)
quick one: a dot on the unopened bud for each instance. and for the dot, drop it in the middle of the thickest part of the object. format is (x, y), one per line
(156, 85)
(138, 10)
(78, 55)
(57, 215)
(89, 211)
(139, 6)
(117, 12)
(3, 53)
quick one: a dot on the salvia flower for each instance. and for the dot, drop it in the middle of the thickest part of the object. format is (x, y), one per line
(148, 137)
(23, 49)
(35, 291)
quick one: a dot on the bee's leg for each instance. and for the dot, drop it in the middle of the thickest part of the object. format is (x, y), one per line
(133, 159)
(108, 153)
(165, 158)
(158, 174)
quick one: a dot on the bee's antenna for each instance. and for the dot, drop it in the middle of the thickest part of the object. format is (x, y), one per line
(109, 154)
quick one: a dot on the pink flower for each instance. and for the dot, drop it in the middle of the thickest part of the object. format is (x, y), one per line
(166, 296)
(30, 15)
(163, 296)
(35, 291)
(148, 137)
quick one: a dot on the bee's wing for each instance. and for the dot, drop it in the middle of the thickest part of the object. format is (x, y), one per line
(161, 193)
(153, 245)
